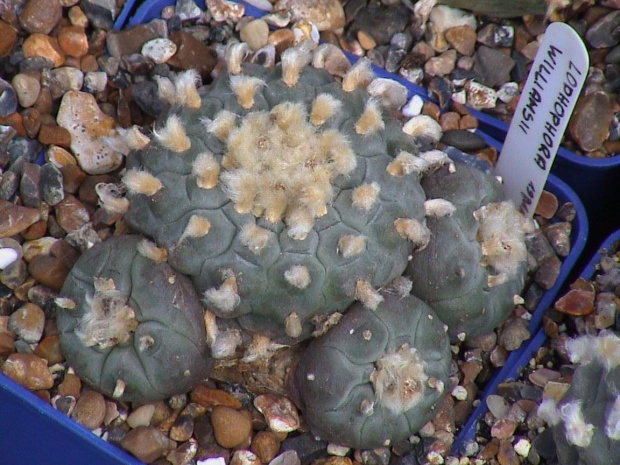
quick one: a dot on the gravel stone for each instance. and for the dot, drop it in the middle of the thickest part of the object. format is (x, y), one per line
(231, 427)
(40, 15)
(28, 370)
(27, 322)
(159, 50)
(147, 443)
(90, 409)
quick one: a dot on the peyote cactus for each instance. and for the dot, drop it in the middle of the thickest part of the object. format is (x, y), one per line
(585, 423)
(376, 376)
(283, 194)
(130, 325)
(476, 259)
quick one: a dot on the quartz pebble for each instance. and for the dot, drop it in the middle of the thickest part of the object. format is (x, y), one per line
(28, 370)
(141, 416)
(159, 50)
(27, 322)
(280, 413)
(27, 89)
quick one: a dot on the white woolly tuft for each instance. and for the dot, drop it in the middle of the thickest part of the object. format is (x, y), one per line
(149, 250)
(436, 159)
(608, 349)
(501, 235)
(206, 169)
(197, 226)
(324, 106)
(612, 424)
(371, 119)
(172, 135)
(399, 380)
(438, 208)
(241, 187)
(226, 344)
(365, 196)
(358, 76)
(235, 54)
(350, 245)
(582, 349)
(400, 286)
(338, 151)
(299, 223)
(331, 54)
(293, 59)
(254, 237)
(134, 138)
(406, 163)
(578, 432)
(261, 347)
(111, 198)
(367, 295)
(413, 230)
(292, 325)
(224, 298)
(225, 121)
(548, 411)
(141, 182)
(389, 93)
(186, 91)
(166, 90)
(245, 88)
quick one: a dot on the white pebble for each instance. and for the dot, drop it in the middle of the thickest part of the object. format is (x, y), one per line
(413, 107)
(459, 393)
(423, 126)
(522, 447)
(159, 50)
(27, 89)
(7, 256)
(95, 81)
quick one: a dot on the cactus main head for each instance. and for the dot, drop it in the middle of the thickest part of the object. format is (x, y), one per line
(585, 423)
(376, 376)
(130, 325)
(282, 193)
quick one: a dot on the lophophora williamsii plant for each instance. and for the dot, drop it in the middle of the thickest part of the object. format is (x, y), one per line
(286, 196)
(585, 422)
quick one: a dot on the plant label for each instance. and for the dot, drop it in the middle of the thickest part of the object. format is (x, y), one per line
(544, 109)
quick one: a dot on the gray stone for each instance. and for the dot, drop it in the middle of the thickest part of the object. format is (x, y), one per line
(463, 139)
(8, 98)
(100, 13)
(29, 185)
(605, 32)
(492, 66)
(52, 190)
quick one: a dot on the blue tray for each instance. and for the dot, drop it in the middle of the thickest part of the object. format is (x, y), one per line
(521, 357)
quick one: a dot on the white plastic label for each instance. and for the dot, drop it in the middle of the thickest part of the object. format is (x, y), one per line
(541, 117)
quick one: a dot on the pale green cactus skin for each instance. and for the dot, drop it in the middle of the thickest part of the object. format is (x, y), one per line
(333, 379)
(166, 354)
(448, 274)
(266, 299)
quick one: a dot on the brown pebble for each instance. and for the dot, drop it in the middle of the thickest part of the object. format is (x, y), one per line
(462, 39)
(211, 397)
(547, 205)
(73, 41)
(366, 40)
(71, 214)
(337, 460)
(31, 119)
(281, 39)
(548, 272)
(449, 120)
(506, 454)
(71, 385)
(503, 429)
(541, 376)
(513, 333)
(192, 54)
(28, 370)
(147, 443)
(8, 39)
(88, 63)
(265, 444)
(27, 322)
(16, 121)
(589, 125)
(468, 122)
(54, 135)
(559, 237)
(7, 339)
(183, 454)
(49, 271)
(49, 349)
(35, 231)
(90, 409)
(231, 427)
(576, 302)
(16, 218)
(40, 15)
(182, 429)
(42, 45)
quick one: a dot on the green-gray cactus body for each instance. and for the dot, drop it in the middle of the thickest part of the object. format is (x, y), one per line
(475, 262)
(275, 197)
(376, 376)
(585, 423)
(130, 326)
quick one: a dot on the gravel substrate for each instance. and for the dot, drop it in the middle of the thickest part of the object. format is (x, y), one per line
(67, 78)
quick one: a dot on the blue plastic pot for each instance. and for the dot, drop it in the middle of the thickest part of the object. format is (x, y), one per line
(520, 358)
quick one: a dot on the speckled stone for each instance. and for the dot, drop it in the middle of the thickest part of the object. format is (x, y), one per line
(281, 414)
(159, 49)
(90, 409)
(40, 15)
